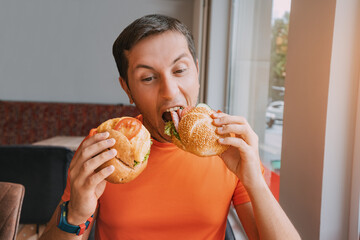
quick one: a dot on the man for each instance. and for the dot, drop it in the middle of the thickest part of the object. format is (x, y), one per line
(179, 195)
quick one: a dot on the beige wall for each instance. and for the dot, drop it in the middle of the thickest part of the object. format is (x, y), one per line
(62, 50)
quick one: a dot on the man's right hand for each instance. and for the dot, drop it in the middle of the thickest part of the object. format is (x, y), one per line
(86, 185)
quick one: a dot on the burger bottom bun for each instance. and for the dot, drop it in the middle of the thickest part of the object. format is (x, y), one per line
(122, 173)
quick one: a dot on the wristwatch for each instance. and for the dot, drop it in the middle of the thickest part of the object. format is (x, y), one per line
(66, 227)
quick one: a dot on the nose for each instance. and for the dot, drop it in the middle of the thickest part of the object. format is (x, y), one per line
(169, 87)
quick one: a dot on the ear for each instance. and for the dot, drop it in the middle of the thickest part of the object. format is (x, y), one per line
(126, 89)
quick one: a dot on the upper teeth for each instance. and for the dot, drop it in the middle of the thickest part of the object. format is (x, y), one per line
(173, 109)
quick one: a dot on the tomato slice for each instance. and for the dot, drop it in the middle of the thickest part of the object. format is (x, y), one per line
(130, 127)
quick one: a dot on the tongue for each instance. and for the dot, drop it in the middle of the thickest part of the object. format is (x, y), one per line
(175, 119)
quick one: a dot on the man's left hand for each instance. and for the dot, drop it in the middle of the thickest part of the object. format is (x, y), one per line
(242, 157)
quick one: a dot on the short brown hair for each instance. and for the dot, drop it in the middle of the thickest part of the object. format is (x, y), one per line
(142, 28)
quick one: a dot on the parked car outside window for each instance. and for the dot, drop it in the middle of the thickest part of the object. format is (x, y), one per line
(274, 113)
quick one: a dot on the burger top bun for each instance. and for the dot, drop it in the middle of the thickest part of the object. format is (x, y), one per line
(197, 133)
(133, 147)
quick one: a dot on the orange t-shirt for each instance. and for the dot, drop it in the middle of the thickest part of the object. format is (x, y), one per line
(177, 196)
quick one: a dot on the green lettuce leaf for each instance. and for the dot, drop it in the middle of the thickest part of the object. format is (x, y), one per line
(171, 130)
(168, 128)
(148, 154)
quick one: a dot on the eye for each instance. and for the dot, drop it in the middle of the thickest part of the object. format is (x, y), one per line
(148, 79)
(179, 71)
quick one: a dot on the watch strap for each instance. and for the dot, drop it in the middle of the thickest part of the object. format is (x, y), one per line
(67, 227)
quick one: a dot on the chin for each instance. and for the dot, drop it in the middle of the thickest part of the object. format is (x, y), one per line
(165, 137)
(168, 139)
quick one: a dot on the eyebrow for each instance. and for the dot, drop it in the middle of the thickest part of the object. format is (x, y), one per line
(151, 68)
(179, 57)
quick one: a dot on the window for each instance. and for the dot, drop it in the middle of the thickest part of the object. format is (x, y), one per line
(258, 48)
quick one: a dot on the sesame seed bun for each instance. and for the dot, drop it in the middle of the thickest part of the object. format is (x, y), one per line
(197, 133)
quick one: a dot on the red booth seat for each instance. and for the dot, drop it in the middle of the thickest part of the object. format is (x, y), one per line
(28, 122)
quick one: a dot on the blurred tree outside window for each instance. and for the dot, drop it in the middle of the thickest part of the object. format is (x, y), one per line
(279, 43)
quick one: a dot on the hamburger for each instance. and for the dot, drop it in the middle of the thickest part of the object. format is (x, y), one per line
(191, 129)
(132, 144)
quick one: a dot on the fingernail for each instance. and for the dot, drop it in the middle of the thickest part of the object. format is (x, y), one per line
(215, 114)
(216, 120)
(221, 140)
(111, 141)
(105, 134)
(112, 152)
(110, 169)
(219, 129)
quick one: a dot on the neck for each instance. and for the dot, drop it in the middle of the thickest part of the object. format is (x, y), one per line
(155, 133)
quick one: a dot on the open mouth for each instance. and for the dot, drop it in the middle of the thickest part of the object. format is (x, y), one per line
(166, 116)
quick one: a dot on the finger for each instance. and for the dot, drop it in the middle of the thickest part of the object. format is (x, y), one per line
(243, 131)
(86, 143)
(235, 142)
(90, 165)
(98, 177)
(96, 148)
(96, 138)
(218, 114)
(228, 119)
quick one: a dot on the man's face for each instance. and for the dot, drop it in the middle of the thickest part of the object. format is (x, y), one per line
(161, 75)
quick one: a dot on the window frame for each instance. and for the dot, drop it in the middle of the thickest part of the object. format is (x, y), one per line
(310, 21)
(354, 228)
